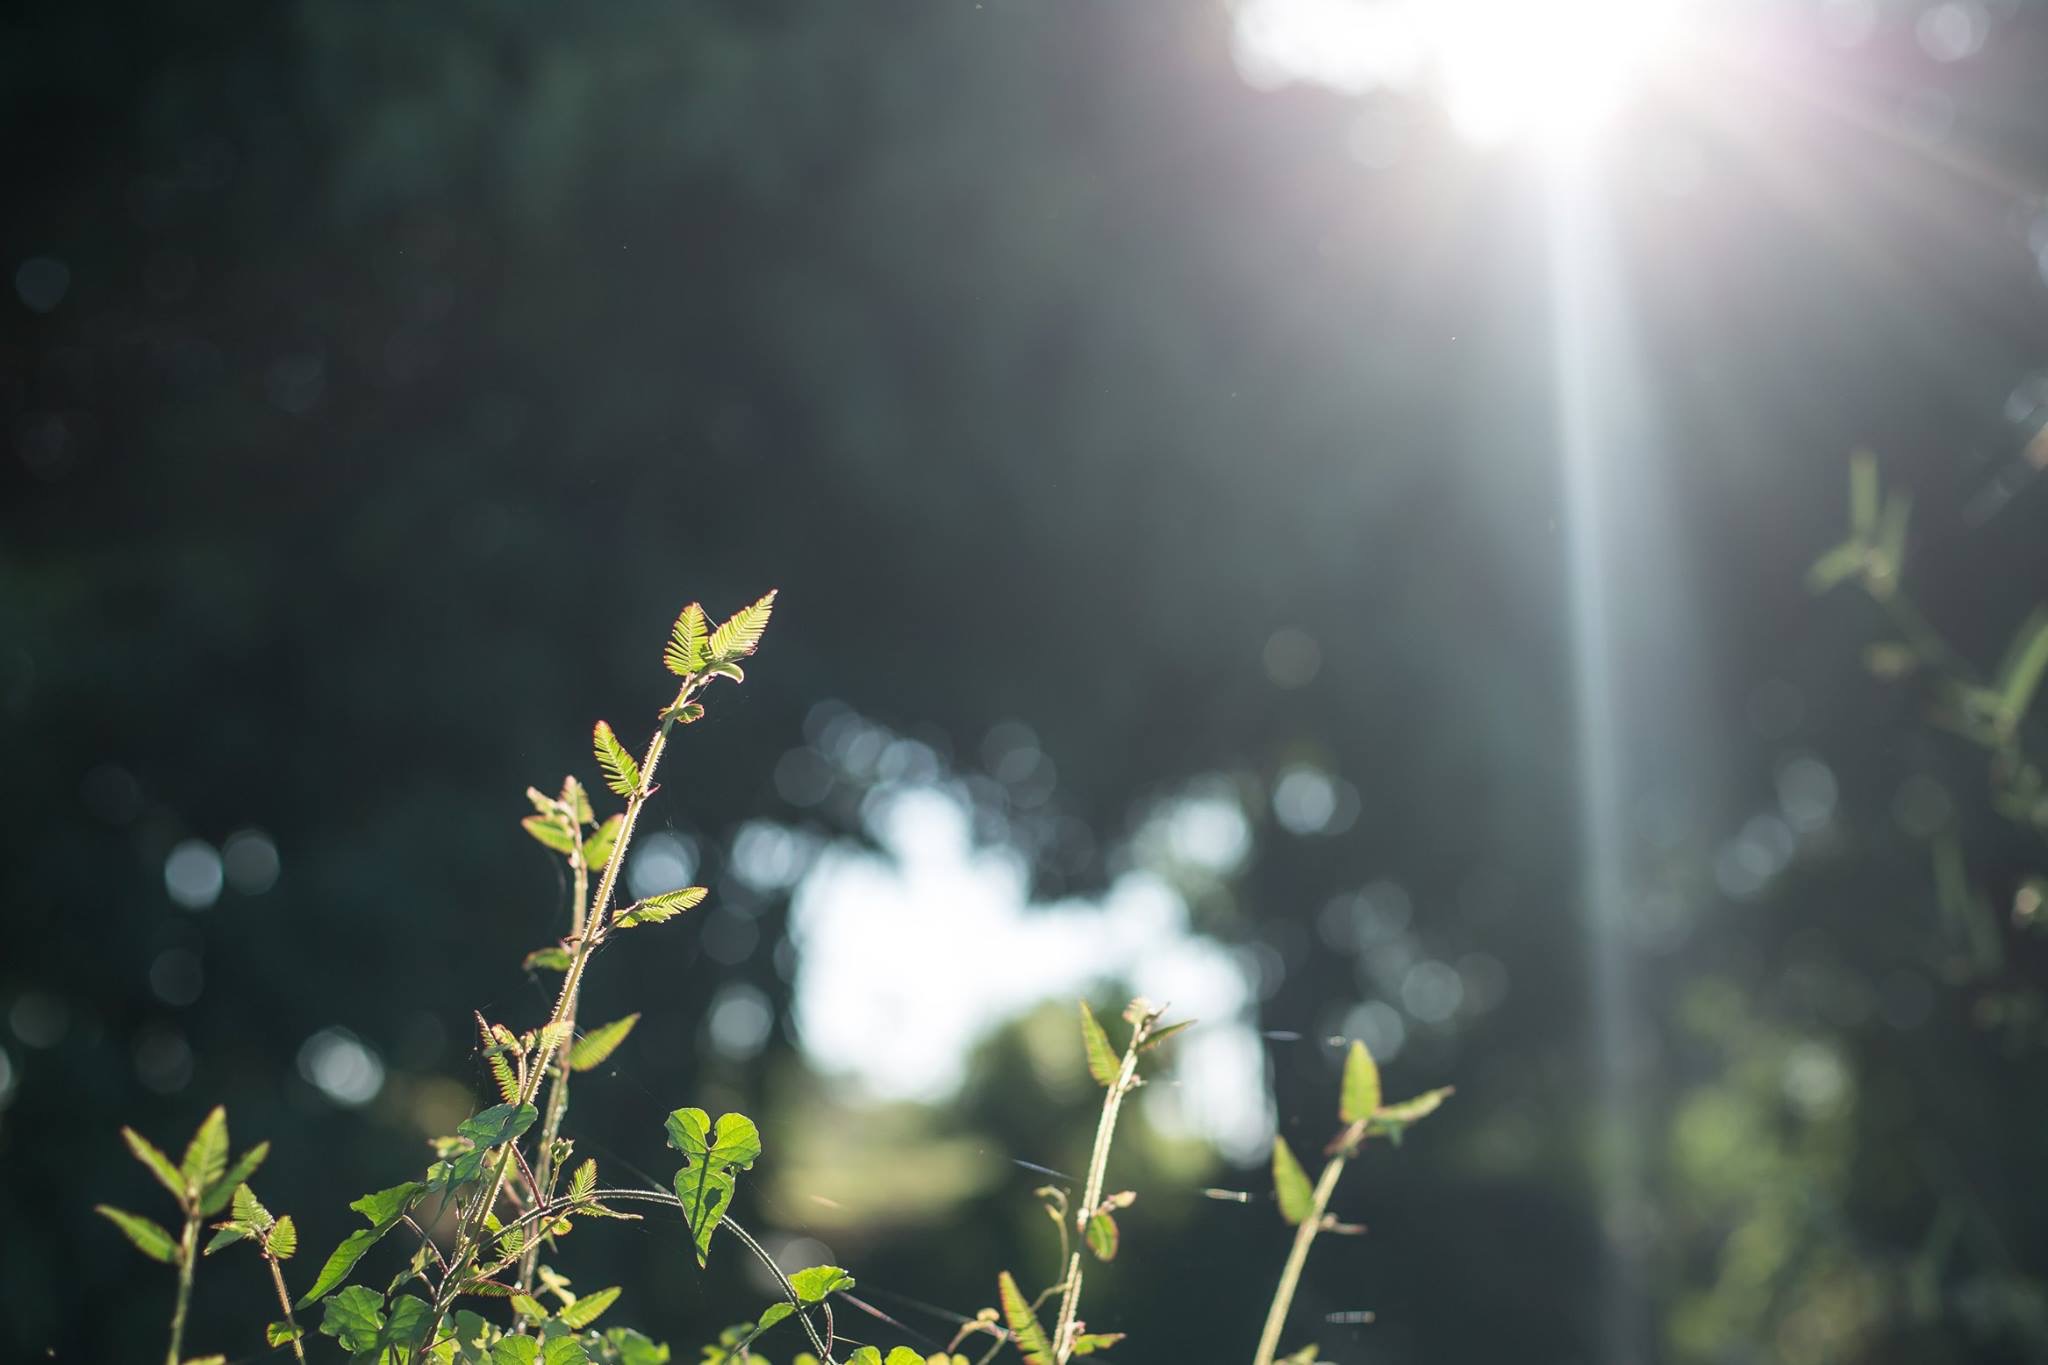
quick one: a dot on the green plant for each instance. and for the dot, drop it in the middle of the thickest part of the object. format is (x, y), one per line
(1364, 1116)
(508, 1183)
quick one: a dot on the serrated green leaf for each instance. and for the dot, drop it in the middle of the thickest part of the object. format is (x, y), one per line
(741, 633)
(223, 1189)
(354, 1318)
(159, 1165)
(903, 1355)
(1290, 1183)
(206, 1156)
(1024, 1328)
(514, 1351)
(283, 1241)
(1088, 1343)
(1102, 1059)
(248, 1210)
(563, 1351)
(500, 1123)
(1360, 1097)
(814, 1283)
(597, 849)
(282, 1334)
(340, 1262)
(382, 1209)
(621, 773)
(504, 1075)
(589, 1308)
(584, 1181)
(595, 1046)
(656, 909)
(1102, 1235)
(551, 831)
(866, 1355)
(146, 1236)
(685, 652)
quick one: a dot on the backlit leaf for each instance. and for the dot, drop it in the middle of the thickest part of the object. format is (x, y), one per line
(1102, 1059)
(2020, 675)
(686, 643)
(1024, 1328)
(812, 1285)
(547, 960)
(593, 1047)
(223, 1189)
(1102, 1236)
(383, 1210)
(206, 1156)
(589, 1308)
(1088, 1343)
(656, 909)
(706, 1193)
(1360, 1098)
(282, 1334)
(741, 633)
(160, 1166)
(1290, 1183)
(597, 849)
(283, 1241)
(551, 832)
(621, 773)
(147, 1237)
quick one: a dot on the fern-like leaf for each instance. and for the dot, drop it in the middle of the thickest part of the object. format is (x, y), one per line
(741, 635)
(686, 644)
(655, 909)
(621, 773)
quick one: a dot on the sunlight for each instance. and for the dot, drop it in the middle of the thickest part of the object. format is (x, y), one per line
(1505, 69)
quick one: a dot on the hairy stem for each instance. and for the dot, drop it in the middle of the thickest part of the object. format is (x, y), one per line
(1290, 1277)
(188, 1256)
(1091, 1197)
(467, 1243)
(284, 1301)
(558, 1094)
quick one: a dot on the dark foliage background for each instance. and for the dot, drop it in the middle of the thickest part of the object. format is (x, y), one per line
(413, 364)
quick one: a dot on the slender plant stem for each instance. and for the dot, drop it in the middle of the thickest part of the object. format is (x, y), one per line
(466, 1240)
(1091, 1197)
(284, 1301)
(188, 1256)
(558, 1094)
(559, 1206)
(1290, 1277)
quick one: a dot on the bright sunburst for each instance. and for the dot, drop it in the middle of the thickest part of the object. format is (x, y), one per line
(1547, 73)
